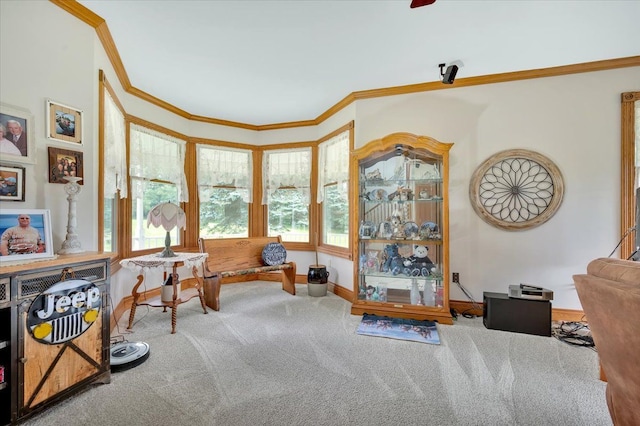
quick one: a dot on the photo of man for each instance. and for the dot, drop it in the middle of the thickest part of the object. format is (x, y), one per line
(22, 238)
(65, 124)
(8, 185)
(16, 133)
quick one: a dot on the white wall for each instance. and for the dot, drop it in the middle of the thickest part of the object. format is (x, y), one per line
(573, 119)
(47, 53)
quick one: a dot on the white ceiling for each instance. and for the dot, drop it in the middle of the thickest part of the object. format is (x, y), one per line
(266, 62)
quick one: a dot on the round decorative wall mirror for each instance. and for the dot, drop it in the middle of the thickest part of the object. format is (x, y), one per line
(516, 189)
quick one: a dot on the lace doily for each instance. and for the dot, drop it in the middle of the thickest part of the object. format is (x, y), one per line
(152, 261)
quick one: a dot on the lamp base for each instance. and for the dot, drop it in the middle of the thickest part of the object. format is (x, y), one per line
(167, 252)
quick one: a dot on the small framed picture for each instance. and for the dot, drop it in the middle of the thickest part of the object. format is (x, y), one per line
(11, 183)
(64, 162)
(25, 234)
(64, 123)
(16, 134)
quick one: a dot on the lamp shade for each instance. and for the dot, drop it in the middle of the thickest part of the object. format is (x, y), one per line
(167, 215)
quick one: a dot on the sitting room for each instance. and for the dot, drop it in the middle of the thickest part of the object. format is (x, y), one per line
(320, 212)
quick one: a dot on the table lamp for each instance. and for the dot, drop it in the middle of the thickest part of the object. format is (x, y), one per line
(167, 215)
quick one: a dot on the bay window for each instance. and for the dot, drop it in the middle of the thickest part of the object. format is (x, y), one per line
(286, 191)
(225, 189)
(333, 189)
(156, 169)
(114, 176)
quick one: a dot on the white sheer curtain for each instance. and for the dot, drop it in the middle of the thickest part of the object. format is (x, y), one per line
(155, 155)
(227, 167)
(333, 162)
(115, 149)
(286, 168)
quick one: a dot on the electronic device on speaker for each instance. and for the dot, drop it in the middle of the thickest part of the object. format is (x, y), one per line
(526, 291)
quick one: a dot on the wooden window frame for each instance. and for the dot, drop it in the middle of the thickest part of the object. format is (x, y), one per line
(627, 184)
(343, 252)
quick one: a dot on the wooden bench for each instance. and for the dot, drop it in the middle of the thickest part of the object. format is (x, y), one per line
(231, 257)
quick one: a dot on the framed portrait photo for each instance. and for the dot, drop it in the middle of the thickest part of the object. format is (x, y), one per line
(25, 234)
(64, 162)
(64, 123)
(11, 183)
(17, 142)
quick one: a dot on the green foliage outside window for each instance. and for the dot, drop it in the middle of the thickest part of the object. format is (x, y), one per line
(336, 215)
(289, 215)
(224, 214)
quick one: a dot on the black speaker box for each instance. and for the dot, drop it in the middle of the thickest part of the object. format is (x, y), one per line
(500, 312)
(450, 74)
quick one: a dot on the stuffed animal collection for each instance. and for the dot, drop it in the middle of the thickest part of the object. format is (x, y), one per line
(419, 264)
(393, 263)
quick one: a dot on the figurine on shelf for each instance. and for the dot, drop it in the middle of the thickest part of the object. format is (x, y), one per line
(363, 263)
(382, 294)
(411, 231)
(397, 226)
(367, 230)
(372, 262)
(401, 194)
(374, 175)
(372, 293)
(393, 261)
(419, 263)
(385, 230)
(429, 230)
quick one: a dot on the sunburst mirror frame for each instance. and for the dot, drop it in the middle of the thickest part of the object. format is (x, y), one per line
(516, 189)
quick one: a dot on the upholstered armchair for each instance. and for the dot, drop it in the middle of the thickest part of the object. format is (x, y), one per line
(610, 297)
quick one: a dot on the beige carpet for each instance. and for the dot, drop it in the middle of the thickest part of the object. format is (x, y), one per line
(269, 358)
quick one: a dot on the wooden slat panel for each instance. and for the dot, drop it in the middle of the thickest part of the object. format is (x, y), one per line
(70, 369)
(232, 254)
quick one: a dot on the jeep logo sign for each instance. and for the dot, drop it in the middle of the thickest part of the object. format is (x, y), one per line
(64, 311)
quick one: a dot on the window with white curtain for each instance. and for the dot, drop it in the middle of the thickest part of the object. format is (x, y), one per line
(115, 168)
(225, 189)
(156, 170)
(286, 190)
(333, 189)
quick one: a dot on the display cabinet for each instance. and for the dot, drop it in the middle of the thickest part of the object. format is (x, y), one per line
(401, 266)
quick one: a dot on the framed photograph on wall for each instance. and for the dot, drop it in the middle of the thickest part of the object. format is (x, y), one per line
(64, 123)
(64, 162)
(25, 234)
(11, 183)
(17, 141)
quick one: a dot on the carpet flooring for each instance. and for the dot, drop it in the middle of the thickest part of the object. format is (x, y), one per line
(270, 358)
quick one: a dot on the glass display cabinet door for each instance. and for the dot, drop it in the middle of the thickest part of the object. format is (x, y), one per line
(402, 251)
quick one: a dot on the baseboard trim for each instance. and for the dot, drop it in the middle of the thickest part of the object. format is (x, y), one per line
(557, 314)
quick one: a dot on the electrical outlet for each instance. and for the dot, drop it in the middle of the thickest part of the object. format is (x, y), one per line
(455, 277)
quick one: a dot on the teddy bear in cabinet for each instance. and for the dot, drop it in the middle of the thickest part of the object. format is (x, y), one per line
(419, 264)
(393, 263)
